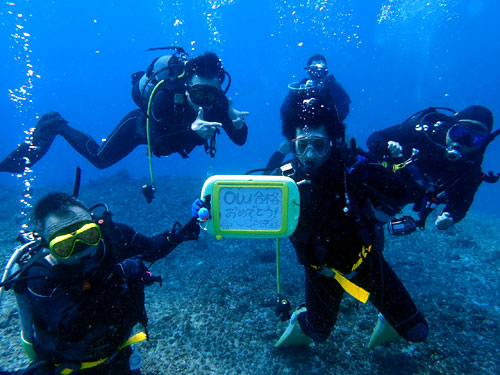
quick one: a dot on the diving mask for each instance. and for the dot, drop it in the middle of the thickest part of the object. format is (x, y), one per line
(317, 71)
(318, 145)
(63, 246)
(204, 95)
(468, 133)
(465, 137)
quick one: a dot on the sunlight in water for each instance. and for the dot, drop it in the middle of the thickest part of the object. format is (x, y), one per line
(22, 97)
(213, 14)
(330, 18)
(402, 10)
(173, 12)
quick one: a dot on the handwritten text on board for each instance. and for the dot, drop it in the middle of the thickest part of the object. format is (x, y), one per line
(250, 208)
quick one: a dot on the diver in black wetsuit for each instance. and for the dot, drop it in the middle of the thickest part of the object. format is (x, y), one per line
(182, 116)
(438, 158)
(338, 238)
(83, 292)
(318, 84)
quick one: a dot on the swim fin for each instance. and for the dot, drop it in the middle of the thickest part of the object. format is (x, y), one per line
(382, 333)
(28, 348)
(293, 335)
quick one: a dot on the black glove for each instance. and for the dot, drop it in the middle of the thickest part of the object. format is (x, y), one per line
(360, 169)
(490, 177)
(107, 282)
(188, 232)
(130, 269)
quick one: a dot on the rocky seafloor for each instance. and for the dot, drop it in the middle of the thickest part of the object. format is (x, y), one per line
(214, 313)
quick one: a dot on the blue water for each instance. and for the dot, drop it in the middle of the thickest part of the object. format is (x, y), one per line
(393, 58)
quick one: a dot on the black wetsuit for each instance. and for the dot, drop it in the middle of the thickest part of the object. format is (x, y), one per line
(431, 173)
(82, 315)
(334, 94)
(170, 132)
(336, 222)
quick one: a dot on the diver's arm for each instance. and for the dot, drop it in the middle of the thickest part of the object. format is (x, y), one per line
(155, 247)
(278, 156)
(377, 142)
(238, 136)
(460, 196)
(275, 161)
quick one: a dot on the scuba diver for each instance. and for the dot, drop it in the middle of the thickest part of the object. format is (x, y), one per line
(318, 84)
(338, 238)
(438, 159)
(80, 284)
(182, 105)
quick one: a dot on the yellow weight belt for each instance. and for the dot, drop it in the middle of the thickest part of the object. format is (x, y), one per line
(141, 336)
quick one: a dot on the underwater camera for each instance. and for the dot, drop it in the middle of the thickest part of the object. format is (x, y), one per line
(401, 226)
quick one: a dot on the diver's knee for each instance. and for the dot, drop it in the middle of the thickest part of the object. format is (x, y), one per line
(102, 164)
(317, 334)
(97, 157)
(415, 329)
(419, 332)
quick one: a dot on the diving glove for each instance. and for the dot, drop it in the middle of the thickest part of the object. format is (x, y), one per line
(444, 221)
(200, 210)
(189, 232)
(395, 149)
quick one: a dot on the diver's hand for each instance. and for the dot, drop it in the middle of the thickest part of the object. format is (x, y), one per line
(130, 269)
(444, 221)
(200, 210)
(205, 129)
(360, 169)
(395, 149)
(189, 232)
(238, 117)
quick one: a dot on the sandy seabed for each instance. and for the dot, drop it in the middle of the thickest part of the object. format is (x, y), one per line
(214, 313)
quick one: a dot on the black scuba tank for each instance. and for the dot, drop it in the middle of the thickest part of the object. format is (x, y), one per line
(167, 68)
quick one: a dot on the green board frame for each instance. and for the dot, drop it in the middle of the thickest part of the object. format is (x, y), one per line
(276, 196)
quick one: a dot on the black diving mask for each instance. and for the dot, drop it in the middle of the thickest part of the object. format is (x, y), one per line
(203, 95)
(317, 71)
(468, 134)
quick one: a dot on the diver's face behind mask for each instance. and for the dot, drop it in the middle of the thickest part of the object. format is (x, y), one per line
(203, 92)
(72, 236)
(311, 147)
(465, 137)
(317, 70)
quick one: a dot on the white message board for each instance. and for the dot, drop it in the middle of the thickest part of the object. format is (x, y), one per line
(250, 208)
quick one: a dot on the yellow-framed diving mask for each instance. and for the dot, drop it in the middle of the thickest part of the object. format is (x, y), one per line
(63, 246)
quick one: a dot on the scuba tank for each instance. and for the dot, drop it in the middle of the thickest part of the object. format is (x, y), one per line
(168, 69)
(13, 268)
(22, 258)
